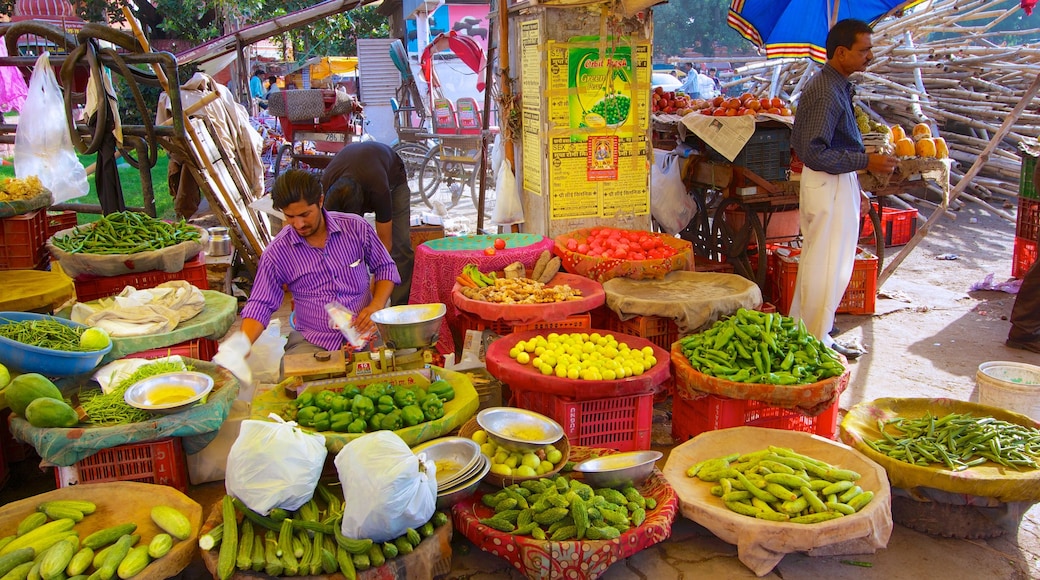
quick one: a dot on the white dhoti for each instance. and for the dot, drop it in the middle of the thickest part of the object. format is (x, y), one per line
(829, 208)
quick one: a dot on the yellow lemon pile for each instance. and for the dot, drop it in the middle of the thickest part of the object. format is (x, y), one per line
(590, 357)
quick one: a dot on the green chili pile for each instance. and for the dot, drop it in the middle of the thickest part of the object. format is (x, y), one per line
(106, 409)
(44, 333)
(959, 441)
(756, 347)
(126, 232)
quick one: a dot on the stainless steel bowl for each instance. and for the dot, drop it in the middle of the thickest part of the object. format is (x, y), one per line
(168, 392)
(455, 457)
(451, 496)
(519, 429)
(410, 326)
(618, 469)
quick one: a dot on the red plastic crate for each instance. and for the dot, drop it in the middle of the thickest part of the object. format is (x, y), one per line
(660, 331)
(899, 225)
(61, 220)
(573, 323)
(1027, 222)
(621, 423)
(198, 348)
(712, 412)
(860, 295)
(160, 462)
(23, 240)
(1025, 255)
(89, 287)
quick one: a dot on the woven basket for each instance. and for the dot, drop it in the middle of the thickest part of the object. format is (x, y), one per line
(562, 445)
(309, 104)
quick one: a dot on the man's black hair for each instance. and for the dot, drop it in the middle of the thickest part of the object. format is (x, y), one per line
(295, 185)
(345, 195)
(844, 33)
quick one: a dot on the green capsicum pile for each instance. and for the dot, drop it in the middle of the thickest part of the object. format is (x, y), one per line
(376, 407)
(758, 347)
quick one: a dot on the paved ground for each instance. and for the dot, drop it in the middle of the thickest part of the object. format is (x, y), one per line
(926, 340)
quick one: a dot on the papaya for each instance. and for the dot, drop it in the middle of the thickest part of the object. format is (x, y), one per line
(50, 412)
(942, 151)
(897, 133)
(921, 131)
(28, 387)
(926, 147)
(905, 147)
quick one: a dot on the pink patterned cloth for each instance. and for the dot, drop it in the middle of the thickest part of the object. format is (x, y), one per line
(435, 270)
(12, 86)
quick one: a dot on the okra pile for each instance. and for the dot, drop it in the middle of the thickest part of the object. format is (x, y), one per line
(756, 347)
(780, 485)
(47, 543)
(958, 440)
(307, 542)
(561, 509)
(126, 232)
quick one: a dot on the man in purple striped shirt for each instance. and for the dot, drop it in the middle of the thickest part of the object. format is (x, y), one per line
(323, 257)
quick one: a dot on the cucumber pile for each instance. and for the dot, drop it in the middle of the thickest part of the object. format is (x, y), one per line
(307, 542)
(47, 544)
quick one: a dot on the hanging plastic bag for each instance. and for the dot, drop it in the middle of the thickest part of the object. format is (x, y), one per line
(497, 154)
(386, 488)
(42, 145)
(670, 205)
(274, 464)
(508, 208)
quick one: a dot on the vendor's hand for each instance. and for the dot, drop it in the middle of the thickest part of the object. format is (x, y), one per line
(363, 321)
(232, 353)
(881, 164)
(864, 205)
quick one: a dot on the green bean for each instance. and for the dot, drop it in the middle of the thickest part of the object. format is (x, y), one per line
(126, 233)
(111, 408)
(44, 333)
(958, 440)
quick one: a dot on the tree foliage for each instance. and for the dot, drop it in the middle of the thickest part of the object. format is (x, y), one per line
(697, 24)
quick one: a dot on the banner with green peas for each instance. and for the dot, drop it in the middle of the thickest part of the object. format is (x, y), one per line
(599, 83)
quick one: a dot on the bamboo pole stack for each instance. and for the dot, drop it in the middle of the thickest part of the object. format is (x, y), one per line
(943, 65)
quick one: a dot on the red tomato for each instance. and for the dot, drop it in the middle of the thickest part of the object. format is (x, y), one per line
(500, 244)
(637, 256)
(583, 248)
(648, 244)
(572, 244)
(489, 251)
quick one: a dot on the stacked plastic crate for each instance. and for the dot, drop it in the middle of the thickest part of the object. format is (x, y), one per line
(1027, 224)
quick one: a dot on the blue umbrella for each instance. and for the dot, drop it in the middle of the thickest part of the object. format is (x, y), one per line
(798, 28)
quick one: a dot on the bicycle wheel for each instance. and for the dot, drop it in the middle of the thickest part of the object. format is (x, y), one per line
(733, 240)
(443, 177)
(412, 154)
(874, 241)
(280, 158)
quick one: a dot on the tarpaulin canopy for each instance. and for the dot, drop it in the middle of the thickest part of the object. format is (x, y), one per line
(798, 28)
(464, 47)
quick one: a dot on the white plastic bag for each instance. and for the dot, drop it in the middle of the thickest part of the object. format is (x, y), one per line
(274, 464)
(670, 205)
(508, 208)
(386, 488)
(42, 145)
(265, 357)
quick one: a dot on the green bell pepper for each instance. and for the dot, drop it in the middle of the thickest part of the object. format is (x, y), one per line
(322, 421)
(340, 421)
(404, 397)
(442, 389)
(305, 416)
(432, 408)
(362, 407)
(412, 415)
(385, 404)
(392, 421)
(340, 404)
(390, 389)
(305, 400)
(350, 390)
(374, 391)
(357, 426)
(375, 422)
(324, 400)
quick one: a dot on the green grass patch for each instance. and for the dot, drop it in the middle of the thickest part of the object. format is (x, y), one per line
(130, 179)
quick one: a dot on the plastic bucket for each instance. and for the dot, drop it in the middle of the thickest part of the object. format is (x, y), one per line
(1010, 385)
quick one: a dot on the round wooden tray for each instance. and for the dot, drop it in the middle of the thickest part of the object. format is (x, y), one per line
(431, 558)
(563, 445)
(120, 503)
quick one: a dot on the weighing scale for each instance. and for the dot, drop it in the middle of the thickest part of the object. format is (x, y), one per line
(409, 334)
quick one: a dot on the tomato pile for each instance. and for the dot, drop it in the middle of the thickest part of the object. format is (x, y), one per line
(621, 244)
(747, 104)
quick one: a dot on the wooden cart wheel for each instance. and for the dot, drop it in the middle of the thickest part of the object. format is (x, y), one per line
(741, 244)
(875, 243)
(698, 231)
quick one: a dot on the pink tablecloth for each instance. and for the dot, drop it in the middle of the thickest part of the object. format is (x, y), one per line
(437, 262)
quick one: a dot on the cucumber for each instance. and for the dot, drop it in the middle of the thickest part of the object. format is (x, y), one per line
(104, 537)
(80, 562)
(134, 562)
(20, 572)
(37, 538)
(160, 545)
(31, 522)
(172, 521)
(56, 559)
(15, 559)
(86, 507)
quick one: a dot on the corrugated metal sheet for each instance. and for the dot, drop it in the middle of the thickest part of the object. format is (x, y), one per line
(379, 77)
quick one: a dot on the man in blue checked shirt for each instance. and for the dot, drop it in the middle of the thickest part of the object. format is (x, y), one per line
(827, 140)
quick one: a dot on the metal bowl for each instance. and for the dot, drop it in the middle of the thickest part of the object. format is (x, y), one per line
(410, 326)
(455, 457)
(451, 496)
(168, 392)
(619, 469)
(519, 429)
(26, 358)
